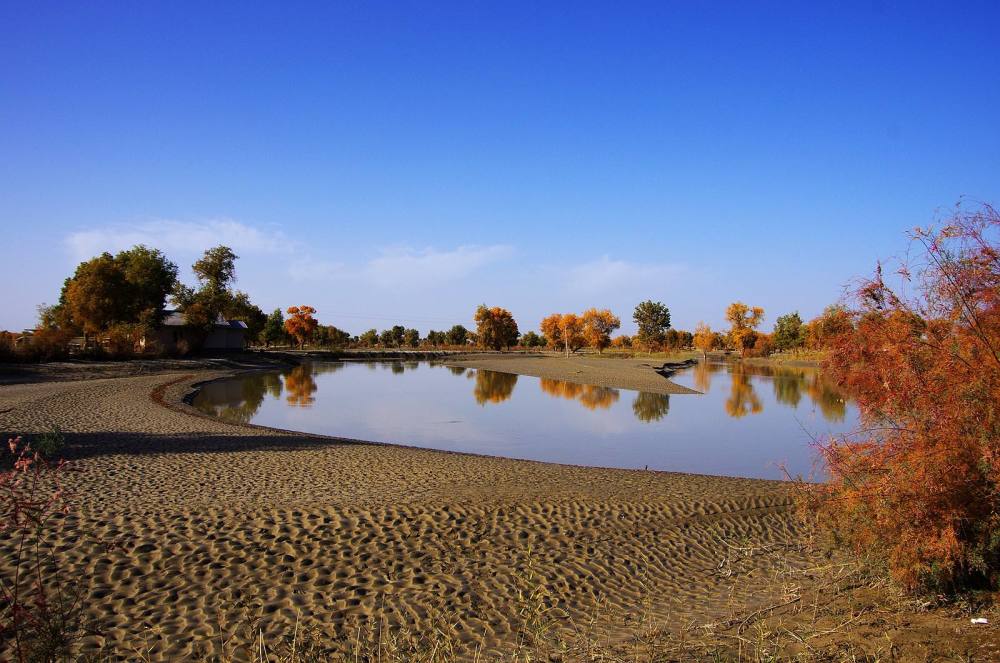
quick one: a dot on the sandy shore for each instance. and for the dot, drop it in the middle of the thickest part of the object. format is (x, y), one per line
(182, 524)
(639, 374)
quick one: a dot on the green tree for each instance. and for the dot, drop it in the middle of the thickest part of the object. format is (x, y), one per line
(216, 269)
(532, 340)
(273, 332)
(653, 320)
(411, 338)
(215, 272)
(369, 339)
(149, 279)
(241, 308)
(393, 337)
(458, 335)
(331, 336)
(789, 332)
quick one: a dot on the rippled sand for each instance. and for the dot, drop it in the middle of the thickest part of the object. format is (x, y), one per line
(180, 522)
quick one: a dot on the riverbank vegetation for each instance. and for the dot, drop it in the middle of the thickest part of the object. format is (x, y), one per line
(115, 306)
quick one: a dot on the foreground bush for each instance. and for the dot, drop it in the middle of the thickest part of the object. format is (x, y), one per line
(918, 486)
(40, 609)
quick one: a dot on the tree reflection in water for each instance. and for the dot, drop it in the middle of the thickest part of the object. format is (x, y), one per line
(493, 387)
(650, 407)
(702, 373)
(827, 398)
(301, 386)
(239, 401)
(789, 383)
(591, 396)
(742, 399)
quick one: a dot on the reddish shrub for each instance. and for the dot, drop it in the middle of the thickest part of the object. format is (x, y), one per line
(919, 485)
(40, 613)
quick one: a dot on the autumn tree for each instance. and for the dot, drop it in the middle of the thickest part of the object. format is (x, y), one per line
(621, 342)
(743, 320)
(789, 332)
(301, 324)
(918, 487)
(704, 339)
(564, 331)
(763, 344)
(598, 326)
(129, 288)
(95, 294)
(495, 327)
(493, 386)
(653, 320)
(822, 330)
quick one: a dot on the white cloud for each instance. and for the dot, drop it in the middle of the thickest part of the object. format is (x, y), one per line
(310, 269)
(605, 275)
(172, 237)
(409, 268)
(402, 268)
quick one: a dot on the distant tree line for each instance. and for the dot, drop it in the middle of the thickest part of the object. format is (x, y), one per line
(112, 302)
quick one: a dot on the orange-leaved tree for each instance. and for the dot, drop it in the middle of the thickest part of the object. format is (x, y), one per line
(564, 331)
(597, 327)
(495, 327)
(300, 323)
(920, 485)
(704, 338)
(743, 320)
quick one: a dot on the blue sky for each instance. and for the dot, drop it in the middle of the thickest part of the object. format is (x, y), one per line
(406, 161)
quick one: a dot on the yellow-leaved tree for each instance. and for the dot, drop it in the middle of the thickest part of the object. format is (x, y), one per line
(744, 320)
(597, 327)
(704, 338)
(564, 331)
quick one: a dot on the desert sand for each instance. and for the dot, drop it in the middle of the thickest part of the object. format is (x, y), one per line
(180, 525)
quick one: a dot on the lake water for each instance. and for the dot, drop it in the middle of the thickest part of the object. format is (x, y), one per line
(749, 421)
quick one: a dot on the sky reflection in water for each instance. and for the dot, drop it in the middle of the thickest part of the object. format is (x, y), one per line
(749, 419)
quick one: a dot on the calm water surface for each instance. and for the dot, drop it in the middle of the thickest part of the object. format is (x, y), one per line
(748, 421)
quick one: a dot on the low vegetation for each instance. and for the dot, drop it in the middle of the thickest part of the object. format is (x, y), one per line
(919, 486)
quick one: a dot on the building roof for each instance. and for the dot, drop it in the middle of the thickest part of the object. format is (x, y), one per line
(173, 318)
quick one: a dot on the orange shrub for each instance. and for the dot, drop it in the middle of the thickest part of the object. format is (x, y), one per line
(919, 485)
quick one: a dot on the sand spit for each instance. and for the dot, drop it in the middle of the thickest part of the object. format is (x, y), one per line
(181, 524)
(638, 374)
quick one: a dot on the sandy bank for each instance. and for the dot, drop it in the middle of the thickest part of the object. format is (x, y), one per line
(180, 522)
(638, 374)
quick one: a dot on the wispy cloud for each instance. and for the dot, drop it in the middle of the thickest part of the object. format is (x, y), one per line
(185, 237)
(407, 268)
(605, 275)
(404, 268)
